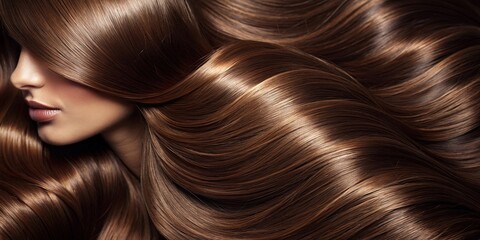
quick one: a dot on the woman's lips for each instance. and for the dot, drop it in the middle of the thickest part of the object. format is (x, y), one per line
(41, 112)
(42, 115)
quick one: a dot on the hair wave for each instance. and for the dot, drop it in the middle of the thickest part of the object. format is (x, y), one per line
(358, 119)
(420, 57)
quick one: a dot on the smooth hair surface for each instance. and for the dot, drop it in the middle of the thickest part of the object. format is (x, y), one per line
(263, 120)
(420, 57)
(277, 129)
(129, 49)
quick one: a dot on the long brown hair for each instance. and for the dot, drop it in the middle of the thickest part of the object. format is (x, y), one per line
(250, 140)
(420, 57)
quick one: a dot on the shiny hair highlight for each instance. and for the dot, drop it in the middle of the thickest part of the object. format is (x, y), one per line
(264, 120)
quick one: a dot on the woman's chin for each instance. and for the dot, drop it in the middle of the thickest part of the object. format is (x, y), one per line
(56, 138)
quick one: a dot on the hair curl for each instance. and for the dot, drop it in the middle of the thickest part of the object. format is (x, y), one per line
(358, 119)
(420, 57)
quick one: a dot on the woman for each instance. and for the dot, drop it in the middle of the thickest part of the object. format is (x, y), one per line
(139, 120)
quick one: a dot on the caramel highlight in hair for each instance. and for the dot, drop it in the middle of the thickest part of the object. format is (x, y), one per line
(263, 119)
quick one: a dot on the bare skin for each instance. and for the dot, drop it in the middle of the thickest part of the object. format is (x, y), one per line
(125, 138)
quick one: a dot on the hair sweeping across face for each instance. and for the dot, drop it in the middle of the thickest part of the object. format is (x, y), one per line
(129, 49)
(263, 120)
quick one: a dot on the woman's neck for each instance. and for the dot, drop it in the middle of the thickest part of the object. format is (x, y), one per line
(126, 138)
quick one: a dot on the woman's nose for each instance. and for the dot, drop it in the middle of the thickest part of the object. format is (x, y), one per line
(29, 72)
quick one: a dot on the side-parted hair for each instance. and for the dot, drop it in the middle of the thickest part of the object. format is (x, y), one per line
(332, 136)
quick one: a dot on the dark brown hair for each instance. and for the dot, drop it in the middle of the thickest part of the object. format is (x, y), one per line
(420, 57)
(251, 140)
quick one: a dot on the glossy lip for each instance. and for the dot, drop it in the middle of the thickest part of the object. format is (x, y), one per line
(40, 112)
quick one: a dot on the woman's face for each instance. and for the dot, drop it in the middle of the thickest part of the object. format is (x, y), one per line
(66, 112)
